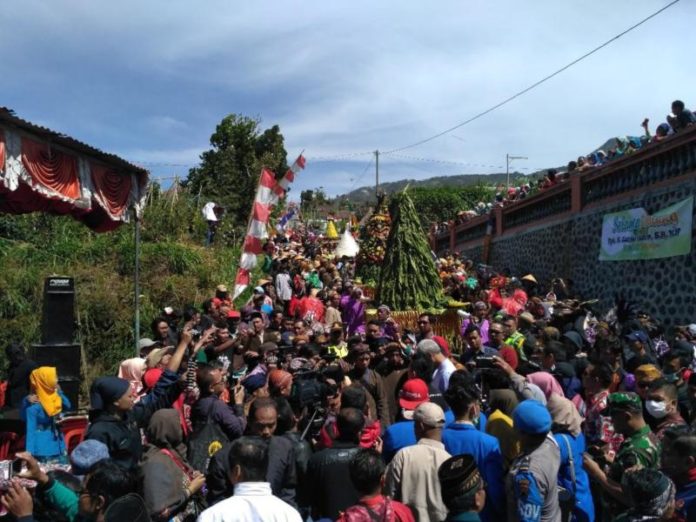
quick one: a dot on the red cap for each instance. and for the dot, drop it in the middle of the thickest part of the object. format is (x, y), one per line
(413, 393)
(442, 344)
(234, 314)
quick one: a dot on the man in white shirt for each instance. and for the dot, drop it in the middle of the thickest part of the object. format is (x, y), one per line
(253, 500)
(211, 218)
(443, 366)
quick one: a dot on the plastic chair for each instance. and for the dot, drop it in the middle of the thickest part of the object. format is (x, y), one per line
(7, 444)
(73, 438)
(75, 422)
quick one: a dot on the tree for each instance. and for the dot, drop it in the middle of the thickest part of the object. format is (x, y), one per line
(409, 279)
(229, 171)
(442, 203)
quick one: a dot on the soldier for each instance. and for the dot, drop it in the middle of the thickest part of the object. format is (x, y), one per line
(640, 449)
(531, 487)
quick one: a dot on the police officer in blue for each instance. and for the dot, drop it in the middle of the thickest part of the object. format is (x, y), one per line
(531, 485)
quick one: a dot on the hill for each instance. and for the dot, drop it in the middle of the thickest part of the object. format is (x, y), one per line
(367, 194)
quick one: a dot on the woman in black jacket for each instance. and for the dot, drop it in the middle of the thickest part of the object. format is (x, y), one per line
(116, 421)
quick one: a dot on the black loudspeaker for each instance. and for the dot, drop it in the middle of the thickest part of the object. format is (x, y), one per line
(71, 389)
(65, 357)
(58, 320)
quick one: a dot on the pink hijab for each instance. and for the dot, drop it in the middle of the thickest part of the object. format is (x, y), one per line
(133, 370)
(547, 382)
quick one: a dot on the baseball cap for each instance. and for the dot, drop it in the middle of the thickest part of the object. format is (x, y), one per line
(429, 414)
(413, 394)
(691, 329)
(155, 356)
(221, 288)
(637, 335)
(259, 290)
(624, 401)
(146, 343)
(531, 417)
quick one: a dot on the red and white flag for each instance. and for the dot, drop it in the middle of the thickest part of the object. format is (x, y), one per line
(268, 194)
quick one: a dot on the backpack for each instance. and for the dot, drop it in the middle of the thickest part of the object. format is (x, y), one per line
(206, 440)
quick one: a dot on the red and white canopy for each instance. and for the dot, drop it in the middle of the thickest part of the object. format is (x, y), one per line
(42, 170)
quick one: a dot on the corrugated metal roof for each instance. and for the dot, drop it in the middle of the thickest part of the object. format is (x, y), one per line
(8, 116)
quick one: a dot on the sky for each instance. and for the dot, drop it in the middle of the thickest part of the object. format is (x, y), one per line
(150, 80)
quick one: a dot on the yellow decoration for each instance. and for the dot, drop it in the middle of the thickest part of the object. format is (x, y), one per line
(331, 232)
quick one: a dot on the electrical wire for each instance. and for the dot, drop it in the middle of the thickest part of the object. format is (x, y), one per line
(535, 84)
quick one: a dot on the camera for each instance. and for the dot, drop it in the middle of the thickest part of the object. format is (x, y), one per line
(485, 363)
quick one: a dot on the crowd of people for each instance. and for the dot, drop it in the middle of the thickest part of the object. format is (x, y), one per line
(303, 406)
(678, 120)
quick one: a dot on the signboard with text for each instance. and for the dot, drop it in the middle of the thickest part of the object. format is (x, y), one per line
(634, 234)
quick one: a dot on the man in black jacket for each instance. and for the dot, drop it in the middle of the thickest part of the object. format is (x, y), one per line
(263, 418)
(328, 470)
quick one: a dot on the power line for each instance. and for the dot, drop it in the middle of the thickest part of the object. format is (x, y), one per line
(338, 157)
(536, 84)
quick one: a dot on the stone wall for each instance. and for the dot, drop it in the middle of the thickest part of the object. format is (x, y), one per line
(570, 249)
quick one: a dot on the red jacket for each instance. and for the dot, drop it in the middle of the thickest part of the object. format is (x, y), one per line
(377, 508)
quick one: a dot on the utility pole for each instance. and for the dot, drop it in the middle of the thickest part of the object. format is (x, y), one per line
(136, 284)
(507, 166)
(376, 172)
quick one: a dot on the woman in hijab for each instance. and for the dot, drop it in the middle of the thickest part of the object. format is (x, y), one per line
(40, 411)
(502, 402)
(18, 371)
(133, 371)
(170, 484)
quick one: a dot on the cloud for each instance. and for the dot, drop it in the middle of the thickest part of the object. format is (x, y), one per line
(152, 79)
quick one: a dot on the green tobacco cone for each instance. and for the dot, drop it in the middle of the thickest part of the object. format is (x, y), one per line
(408, 279)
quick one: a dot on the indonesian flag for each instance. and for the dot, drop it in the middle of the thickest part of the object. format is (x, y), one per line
(268, 193)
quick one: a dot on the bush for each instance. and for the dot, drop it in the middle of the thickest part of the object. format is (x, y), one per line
(176, 270)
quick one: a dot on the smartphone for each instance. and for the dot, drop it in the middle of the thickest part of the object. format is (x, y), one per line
(15, 467)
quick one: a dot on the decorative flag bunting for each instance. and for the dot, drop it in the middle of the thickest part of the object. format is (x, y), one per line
(268, 194)
(286, 218)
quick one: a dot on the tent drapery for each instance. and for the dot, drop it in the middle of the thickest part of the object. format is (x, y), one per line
(112, 189)
(52, 169)
(36, 176)
(2, 152)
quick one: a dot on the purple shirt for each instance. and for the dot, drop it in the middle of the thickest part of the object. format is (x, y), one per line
(353, 313)
(483, 327)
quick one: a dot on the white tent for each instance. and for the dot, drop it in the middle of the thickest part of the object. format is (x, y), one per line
(347, 246)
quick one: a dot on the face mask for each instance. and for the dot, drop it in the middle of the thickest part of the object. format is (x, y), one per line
(671, 377)
(657, 409)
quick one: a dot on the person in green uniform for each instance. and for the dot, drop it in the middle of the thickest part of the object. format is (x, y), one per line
(640, 449)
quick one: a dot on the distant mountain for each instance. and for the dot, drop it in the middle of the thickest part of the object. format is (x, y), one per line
(367, 194)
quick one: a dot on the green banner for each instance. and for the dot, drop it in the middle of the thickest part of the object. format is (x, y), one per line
(634, 234)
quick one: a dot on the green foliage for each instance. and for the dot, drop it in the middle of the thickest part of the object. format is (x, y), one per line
(409, 279)
(229, 171)
(442, 203)
(176, 270)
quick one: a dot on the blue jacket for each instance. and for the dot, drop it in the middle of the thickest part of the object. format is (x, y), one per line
(401, 435)
(465, 438)
(686, 502)
(584, 507)
(44, 438)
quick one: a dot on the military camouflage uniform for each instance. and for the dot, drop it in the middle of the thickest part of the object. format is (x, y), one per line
(641, 449)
